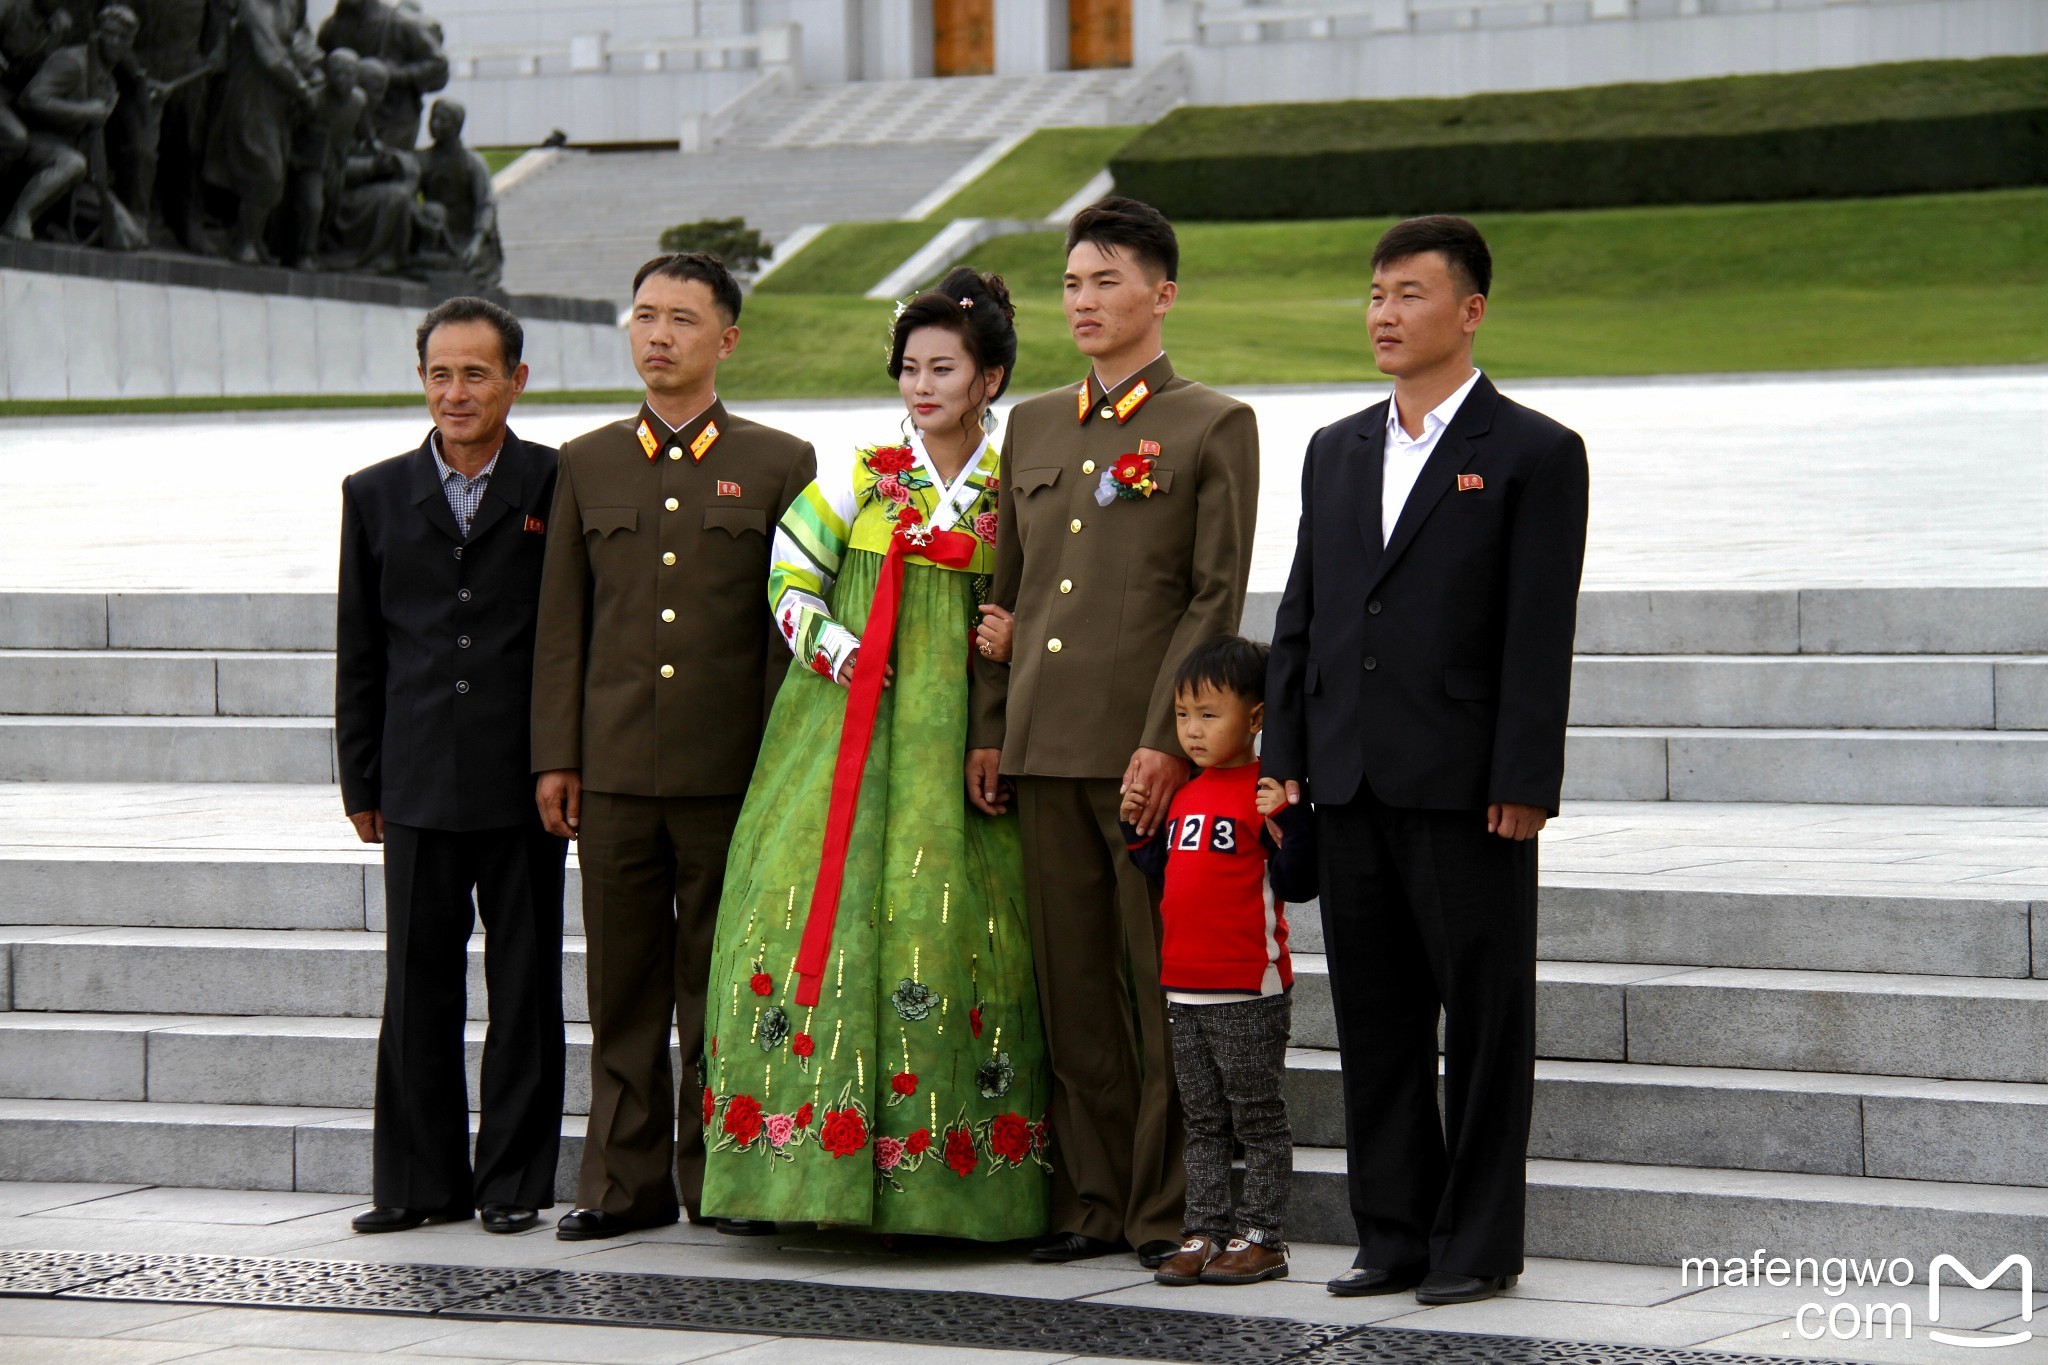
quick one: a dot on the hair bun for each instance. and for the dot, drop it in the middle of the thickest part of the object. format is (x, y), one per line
(999, 293)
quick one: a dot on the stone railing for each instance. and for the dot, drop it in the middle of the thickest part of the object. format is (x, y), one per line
(774, 46)
(1212, 22)
(1151, 91)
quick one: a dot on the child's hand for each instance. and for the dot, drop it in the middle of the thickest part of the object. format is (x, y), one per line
(1133, 806)
(1279, 836)
(1272, 797)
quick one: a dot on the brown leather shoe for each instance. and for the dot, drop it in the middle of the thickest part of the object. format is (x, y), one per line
(1243, 1262)
(1185, 1265)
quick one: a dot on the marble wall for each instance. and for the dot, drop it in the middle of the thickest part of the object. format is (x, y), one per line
(65, 336)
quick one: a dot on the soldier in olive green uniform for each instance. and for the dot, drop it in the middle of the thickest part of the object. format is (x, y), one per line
(653, 674)
(1127, 506)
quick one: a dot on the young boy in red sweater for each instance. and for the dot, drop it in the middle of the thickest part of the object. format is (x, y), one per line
(1231, 855)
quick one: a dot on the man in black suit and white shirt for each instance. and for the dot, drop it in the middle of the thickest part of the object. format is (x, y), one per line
(1420, 675)
(440, 583)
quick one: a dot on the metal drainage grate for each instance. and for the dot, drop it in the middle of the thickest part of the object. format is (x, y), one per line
(790, 1308)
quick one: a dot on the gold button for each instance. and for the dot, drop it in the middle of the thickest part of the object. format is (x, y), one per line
(669, 557)
(1066, 585)
(1107, 413)
(668, 670)
(671, 504)
(675, 452)
(1075, 526)
(668, 613)
(1052, 646)
(1087, 466)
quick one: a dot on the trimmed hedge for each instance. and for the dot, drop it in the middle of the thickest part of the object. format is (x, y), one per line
(1902, 128)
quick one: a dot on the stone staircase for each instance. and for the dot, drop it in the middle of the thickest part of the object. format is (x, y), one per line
(1763, 1021)
(583, 225)
(876, 113)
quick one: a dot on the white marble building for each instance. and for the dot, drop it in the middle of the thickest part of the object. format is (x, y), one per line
(655, 71)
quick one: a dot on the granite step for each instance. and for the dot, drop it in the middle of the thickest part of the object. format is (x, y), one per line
(170, 749)
(1816, 1123)
(1657, 1215)
(1916, 692)
(1612, 621)
(79, 682)
(1871, 1023)
(1752, 918)
(1845, 766)
(1604, 1211)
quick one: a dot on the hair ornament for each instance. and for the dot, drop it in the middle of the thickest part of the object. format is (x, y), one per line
(966, 302)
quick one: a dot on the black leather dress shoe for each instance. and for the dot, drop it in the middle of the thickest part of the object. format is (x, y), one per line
(1154, 1254)
(590, 1225)
(404, 1220)
(745, 1227)
(1362, 1281)
(507, 1217)
(1069, 1246)
(1444, 1286)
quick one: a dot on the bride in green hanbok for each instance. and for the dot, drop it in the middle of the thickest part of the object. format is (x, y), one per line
(874, 1055)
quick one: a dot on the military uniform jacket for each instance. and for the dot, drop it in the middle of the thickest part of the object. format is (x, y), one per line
(653, 670)
(1110, 598)
(433, 661)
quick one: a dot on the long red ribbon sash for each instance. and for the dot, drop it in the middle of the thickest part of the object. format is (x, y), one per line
(953, 550)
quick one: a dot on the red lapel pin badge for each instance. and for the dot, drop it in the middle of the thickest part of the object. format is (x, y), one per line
(728, 489)
(1470, 483)
(535, 525)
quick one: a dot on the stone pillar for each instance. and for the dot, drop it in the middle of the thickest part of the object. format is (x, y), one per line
(831, 39)
(1031, 37)
(1148, 31)
(903, 38)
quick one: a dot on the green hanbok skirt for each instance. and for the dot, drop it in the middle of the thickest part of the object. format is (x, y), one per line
(912, 1097)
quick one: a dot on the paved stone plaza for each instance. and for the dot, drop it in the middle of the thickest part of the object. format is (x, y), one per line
(1793, 989)
(1915, 478)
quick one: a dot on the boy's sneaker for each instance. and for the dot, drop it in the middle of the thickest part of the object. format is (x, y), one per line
(1243, 1262)
(1185, 1266)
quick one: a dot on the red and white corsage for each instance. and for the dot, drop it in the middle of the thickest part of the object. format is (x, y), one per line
(1129, 476)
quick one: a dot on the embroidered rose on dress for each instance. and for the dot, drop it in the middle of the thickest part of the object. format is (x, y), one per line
(743, 1119)
(1009, 1137)
(781, 1127)
(888, 1153)
(845, 1132)
(903, 1083)
(985, 527)
(892, 460)
(960, 1153)
(761, 984)
(891, 487)
(913, 999)
(918, 1143)
(803, 1115)
(803, 1045)
(710, 1106)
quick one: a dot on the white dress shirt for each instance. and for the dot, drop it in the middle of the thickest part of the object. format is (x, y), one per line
(1405, 455)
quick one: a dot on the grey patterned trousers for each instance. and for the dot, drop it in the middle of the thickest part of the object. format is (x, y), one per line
(1230, 1062)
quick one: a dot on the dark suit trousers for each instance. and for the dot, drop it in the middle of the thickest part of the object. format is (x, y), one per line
(653, 869)
(1116, 1122)
(421, 1146)
(1424, 909)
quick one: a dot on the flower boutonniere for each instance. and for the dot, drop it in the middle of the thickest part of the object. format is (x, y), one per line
(1130, 476)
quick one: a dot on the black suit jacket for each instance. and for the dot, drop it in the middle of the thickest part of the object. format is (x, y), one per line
(433, 666)
(1435, 671)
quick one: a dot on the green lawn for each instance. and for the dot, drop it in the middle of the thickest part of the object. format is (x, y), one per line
(1039, 174)
(1726, 288)
(849, 258)
(498, 158)
(1871, 283)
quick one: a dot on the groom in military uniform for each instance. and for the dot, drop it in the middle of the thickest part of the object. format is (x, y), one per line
(1127, 503)
(653, 674)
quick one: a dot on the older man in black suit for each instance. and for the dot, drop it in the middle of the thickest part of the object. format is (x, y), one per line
(440, 583)
(1420, 674)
